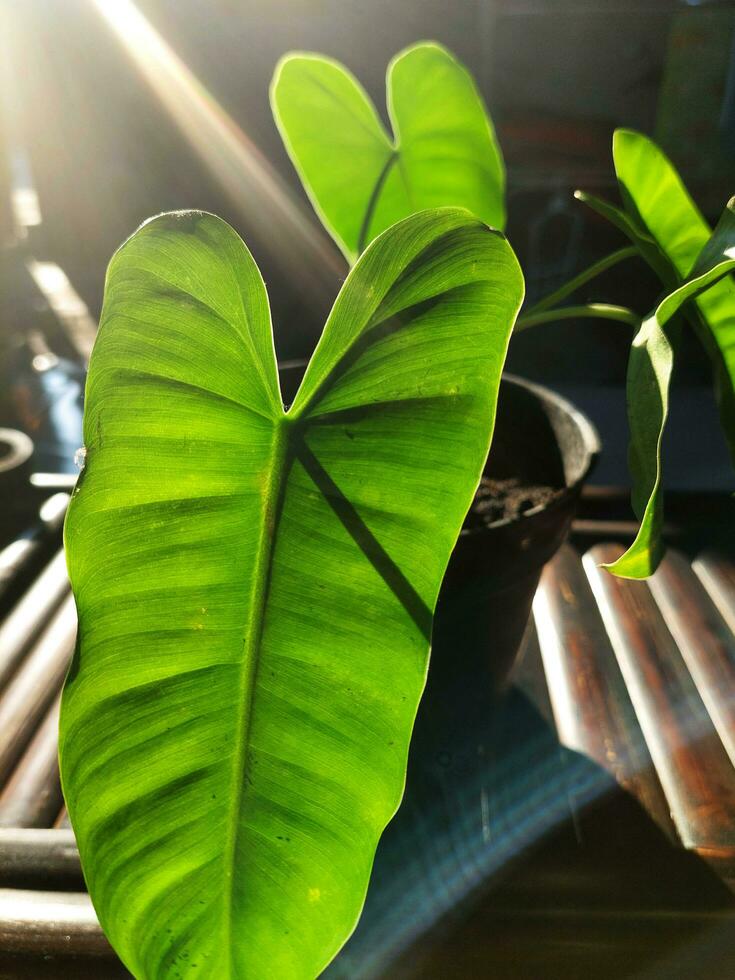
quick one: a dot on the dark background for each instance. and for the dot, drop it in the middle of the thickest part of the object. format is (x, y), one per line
(558, 75)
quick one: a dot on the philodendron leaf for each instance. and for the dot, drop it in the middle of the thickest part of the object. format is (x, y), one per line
(655, 195)
(359, 178)
(255, 588)
(649, 375)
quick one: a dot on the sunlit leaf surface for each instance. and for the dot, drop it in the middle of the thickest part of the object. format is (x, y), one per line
(360, 178)
(255, 588)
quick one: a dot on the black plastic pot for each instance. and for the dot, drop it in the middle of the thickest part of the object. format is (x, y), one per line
(486, 597)
(488, 589)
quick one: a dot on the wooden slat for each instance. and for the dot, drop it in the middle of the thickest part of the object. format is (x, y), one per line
(33, 687)
(695, 771)
(592, 708)
(32, 795)
(717, 573)
(48, 923)
(23, 554)
(38, 855)
(704, 639)
(30, 615)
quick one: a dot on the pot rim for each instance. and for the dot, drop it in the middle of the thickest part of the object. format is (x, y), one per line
(590, 440)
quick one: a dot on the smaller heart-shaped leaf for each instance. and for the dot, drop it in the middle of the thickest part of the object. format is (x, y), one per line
(361, 181)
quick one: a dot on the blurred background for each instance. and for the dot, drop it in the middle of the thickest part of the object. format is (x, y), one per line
(112, 111)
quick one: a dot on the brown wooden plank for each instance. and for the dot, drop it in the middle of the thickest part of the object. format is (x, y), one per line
(716, 571)
(32, 795)
(38, 855)
(704, 639)
(592, 708)
(32, 689)
(48, 923)
(30, 615)
(693, 766)
(20, 558)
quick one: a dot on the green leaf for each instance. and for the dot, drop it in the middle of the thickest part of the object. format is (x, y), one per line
(255, 588)
(655, 196)
(636, 233)
(649, 376)
(359, 178)
(721, 245)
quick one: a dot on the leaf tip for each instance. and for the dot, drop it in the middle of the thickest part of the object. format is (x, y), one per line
(632, 564)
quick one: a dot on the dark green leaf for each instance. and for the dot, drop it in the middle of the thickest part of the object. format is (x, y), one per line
(360, 179)
(255, 588)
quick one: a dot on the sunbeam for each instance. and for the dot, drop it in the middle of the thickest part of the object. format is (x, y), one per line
(268, 208)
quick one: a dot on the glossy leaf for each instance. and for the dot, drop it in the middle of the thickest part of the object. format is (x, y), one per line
(649, 375)
(361, 179)
(655, 195)
(255, 588)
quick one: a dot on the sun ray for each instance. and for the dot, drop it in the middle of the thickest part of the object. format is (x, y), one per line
(267, 207)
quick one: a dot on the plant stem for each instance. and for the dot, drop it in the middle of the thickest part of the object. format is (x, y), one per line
(601, 311)
(594, 270)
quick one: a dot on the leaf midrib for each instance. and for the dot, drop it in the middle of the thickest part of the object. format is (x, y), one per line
(286, 425)
(278, 467)
(373, 200)
(250, 661)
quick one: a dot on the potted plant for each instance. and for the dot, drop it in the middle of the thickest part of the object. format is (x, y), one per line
(360, 180)
(255, 585)
(443, 150)
(693, 263)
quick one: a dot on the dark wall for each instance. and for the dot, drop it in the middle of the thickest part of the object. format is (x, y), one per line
(559, 75)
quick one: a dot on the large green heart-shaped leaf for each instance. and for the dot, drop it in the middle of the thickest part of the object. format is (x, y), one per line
(654, 193)
(359, 179)
(255, 588)
(649, 375)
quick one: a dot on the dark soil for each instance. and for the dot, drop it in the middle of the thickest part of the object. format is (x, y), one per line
(497, 500)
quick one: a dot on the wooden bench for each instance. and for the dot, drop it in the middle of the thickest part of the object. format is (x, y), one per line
(637, 676)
